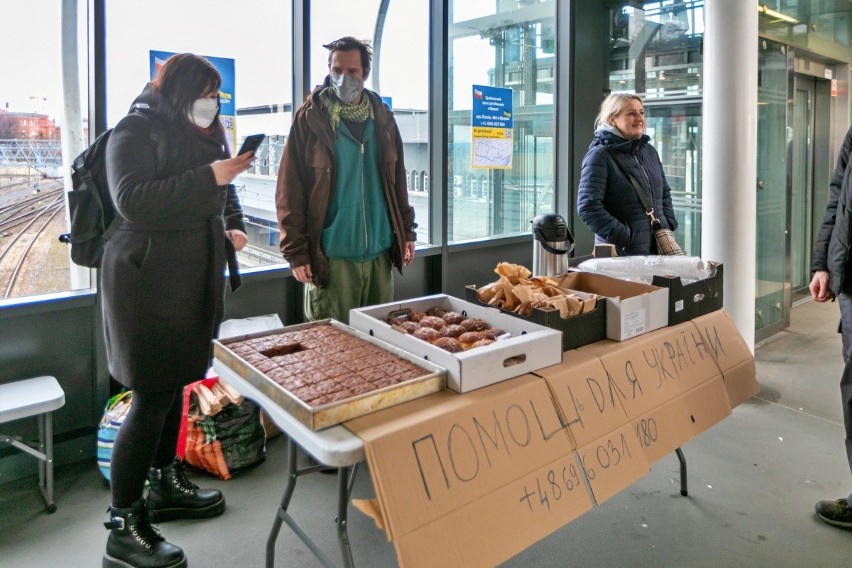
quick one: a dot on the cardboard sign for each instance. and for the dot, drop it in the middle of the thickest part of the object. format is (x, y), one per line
(673, 424)
(727, 346)
(613, 462)
(490, 530)
(653, 369)
(586, 395)
(439, 459)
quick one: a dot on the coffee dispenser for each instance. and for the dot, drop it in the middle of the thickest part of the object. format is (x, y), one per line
(552, 245)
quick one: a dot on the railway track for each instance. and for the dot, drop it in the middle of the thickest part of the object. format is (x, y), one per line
(28, 226)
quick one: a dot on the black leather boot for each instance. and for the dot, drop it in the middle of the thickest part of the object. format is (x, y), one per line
(173, 496)
(134, 543)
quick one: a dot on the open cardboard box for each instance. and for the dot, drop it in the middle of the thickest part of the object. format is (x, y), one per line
(688, 301)
(530, 347)
(632, 308)
(577, 330)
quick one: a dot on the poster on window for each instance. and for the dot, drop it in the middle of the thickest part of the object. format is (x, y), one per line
(227, 101)
(491, 127)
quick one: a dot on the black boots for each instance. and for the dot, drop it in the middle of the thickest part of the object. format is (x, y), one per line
(134, 543)
(173, 496)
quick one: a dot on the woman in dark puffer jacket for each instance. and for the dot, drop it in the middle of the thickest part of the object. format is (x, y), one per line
(607, 201)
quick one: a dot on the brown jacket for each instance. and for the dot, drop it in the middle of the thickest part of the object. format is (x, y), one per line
(306, 179)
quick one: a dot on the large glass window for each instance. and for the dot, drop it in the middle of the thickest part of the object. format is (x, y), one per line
(507, 44)
(255, 35)
(655, 51)
(33, 122)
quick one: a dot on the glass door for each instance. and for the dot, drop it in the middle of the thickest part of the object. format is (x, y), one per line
(773, 213)
(802, 190)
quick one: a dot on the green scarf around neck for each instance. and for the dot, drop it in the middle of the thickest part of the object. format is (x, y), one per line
(337, 109)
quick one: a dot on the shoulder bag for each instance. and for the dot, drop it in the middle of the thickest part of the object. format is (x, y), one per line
(666, 243)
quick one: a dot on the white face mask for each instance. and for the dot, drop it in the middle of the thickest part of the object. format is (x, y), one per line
(346, 87)
(203, 112)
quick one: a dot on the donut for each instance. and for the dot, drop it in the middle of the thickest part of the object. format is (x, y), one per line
(436, 312)
(448, 344)
(481, 343)
(416, 316)
(453, 318)
(493, 333)
(468, 338)
(427, 334)
(474, 324)
(451, 330)
(432, 321)
(409, 326)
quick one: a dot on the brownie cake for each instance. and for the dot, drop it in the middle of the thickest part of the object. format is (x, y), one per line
(322, 364)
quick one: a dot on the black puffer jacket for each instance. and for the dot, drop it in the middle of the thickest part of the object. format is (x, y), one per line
(607, 201)
(162, 278)
(831, 249)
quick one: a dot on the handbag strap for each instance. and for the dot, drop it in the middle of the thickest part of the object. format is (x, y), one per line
(649, 211)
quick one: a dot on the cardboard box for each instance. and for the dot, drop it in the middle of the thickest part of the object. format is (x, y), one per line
(577, 331)
(671, 425)
(632, 308)
(653, 369)
(490, 530)
(688, 301)
(472, 480)
(530, 347)
(735, 360)
(613, 462)
(585, 395)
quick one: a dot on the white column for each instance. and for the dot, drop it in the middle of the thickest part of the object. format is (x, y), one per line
(73, 141)
(729, 160)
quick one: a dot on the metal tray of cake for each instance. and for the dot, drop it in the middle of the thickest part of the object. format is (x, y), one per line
(432, 379)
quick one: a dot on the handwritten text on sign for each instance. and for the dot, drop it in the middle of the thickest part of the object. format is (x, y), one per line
(666, 365)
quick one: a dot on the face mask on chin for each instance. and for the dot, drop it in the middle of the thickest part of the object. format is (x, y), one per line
(345, 87)
(203, 112)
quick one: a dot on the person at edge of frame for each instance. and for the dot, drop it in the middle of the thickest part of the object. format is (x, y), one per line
(832, 278)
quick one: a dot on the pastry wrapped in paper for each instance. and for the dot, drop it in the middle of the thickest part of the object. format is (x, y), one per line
(512, 272)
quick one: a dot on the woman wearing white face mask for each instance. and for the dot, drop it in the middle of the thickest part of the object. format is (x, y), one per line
(179, 224)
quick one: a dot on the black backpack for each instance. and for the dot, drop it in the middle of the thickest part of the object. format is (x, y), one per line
(90, 207)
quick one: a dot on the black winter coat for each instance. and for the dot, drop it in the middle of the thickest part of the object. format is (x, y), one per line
(831, 249)
(607, 201)
(162, 278)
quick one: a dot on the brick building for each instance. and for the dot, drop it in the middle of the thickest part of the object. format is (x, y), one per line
(27, 126)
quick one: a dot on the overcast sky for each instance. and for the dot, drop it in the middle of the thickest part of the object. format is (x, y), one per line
(254, 32)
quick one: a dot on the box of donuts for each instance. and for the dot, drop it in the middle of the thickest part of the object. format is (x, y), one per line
(477, 345)
(324, 372)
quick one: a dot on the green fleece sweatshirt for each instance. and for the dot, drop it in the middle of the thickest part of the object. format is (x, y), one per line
(357, 226)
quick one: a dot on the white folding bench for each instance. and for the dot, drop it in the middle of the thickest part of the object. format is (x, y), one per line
(38, 396)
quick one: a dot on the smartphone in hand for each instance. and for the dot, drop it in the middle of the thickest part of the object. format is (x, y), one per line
(251, 144)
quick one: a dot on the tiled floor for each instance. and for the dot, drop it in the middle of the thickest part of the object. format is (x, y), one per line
(753, 481)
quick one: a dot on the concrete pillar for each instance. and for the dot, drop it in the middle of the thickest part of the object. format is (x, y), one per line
(729, 159)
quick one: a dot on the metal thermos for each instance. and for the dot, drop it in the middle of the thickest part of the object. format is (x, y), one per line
(552, 245)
